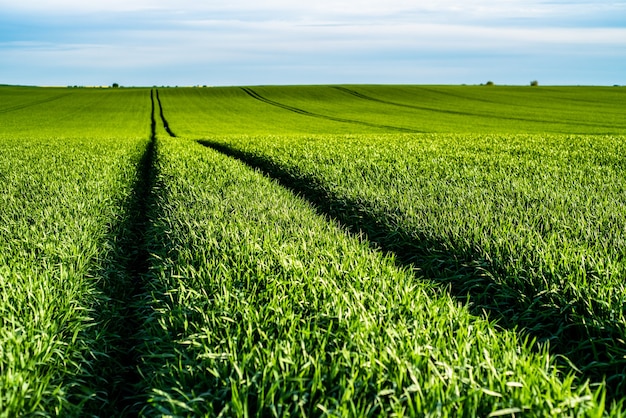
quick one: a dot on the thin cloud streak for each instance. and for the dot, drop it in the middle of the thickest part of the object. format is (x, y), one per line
(442, 10)
(283, 42)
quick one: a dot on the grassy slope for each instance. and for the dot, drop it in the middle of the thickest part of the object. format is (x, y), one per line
(508, 109)
(376, 109)
(262, 307)
(219, 112)
(68, 168)
(540, 209)
(74, 113)
(216, 111)
(529, 229)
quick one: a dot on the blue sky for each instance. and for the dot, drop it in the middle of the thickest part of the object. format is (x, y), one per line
(244, 42)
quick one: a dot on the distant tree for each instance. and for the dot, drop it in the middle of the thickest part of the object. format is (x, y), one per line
(534, 83)
(115, 85)
(489, 83)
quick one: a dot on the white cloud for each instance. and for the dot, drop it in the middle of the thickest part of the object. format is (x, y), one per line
(74, 6)
(374, 9)
(342, 37)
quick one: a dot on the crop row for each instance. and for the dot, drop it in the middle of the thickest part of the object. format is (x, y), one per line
(252, 302)
(160, 277)
(62, 206)
(529, 229)
(75, 114)
(261, 306)
(272, 110)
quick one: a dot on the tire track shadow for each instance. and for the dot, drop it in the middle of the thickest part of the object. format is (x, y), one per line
(574, 336)
(123, 314)
(166, 125)
(460, 113)
(304, 112)
(34, 103)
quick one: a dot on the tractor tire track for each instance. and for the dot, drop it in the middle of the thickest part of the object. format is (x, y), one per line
(304, 112)
(166, 125)
(127, 288)
(461, 274)
(34, 103)
(409, 106)
(456, 112)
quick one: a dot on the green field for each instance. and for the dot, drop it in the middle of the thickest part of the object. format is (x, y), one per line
(313, 251)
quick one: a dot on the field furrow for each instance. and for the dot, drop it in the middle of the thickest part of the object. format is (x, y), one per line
(29, 103)
(70, 254)
(166, 125)
(525, 228)
(62, 205)
(289, 252)
(263, 307)
(499, 116)
(304, 112)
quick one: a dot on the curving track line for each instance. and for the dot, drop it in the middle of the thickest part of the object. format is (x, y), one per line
(165, 124)
(304, 112)
(35, 103)
(456, 112)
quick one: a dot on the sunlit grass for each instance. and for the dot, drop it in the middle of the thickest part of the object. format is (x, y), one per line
(526, 228)
(264, 307)
(446, 274)
(58, 204)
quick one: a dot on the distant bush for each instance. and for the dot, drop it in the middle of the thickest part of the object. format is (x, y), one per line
(534, 83)
(489, 83)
